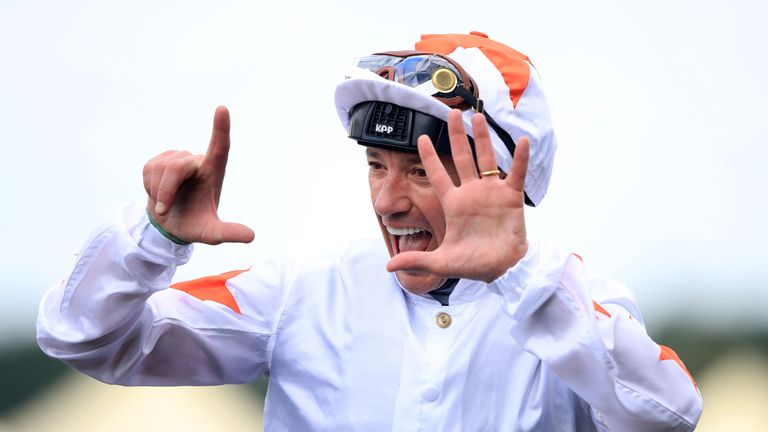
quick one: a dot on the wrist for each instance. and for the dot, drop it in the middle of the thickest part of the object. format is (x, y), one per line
(165, 233)
(508, 261)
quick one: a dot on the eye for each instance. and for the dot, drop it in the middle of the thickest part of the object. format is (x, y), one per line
(420, 172)
(373, 165)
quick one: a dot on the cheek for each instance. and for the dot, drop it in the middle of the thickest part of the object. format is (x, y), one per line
(433, 211)
(373, 187)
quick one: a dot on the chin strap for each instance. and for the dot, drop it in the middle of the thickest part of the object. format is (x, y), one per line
(477, 106)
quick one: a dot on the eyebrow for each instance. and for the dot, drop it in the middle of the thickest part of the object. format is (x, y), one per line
(372, 153)
(411, 158)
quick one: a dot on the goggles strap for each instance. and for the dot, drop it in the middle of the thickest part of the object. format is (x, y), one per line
(477, 105)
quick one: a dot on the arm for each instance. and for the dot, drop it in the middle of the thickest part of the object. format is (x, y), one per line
(589, 332)
(114, 317)
(610, 362)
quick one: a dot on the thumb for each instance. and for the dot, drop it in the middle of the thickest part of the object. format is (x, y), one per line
(414, 261)
(230, 232)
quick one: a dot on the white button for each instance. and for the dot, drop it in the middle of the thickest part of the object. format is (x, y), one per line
(430, 394)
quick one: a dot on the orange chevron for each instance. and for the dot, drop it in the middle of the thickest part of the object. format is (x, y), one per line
(212, 288)
(600, 309)
(667, 354)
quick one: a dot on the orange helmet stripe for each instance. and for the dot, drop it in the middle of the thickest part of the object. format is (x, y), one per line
(512, 65)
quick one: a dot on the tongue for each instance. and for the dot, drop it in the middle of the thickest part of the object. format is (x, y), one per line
(414, 242)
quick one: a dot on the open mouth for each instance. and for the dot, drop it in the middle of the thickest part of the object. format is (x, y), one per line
(410, 239)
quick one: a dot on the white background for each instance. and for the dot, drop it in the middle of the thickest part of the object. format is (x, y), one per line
(659, 107)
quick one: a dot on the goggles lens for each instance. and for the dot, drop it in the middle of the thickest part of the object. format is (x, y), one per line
(415, 70)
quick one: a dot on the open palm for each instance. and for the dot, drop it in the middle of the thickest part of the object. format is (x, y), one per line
(485, 223)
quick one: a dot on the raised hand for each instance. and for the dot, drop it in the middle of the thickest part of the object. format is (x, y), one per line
(485, 224)
(184, 190)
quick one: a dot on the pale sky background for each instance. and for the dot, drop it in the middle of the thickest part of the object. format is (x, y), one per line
(659, 107)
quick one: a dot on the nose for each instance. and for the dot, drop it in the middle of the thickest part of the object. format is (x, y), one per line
(392, 197)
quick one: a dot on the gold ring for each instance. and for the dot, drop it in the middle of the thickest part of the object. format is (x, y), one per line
(490, 173)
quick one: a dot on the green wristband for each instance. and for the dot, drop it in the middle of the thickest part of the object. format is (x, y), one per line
(165, 233)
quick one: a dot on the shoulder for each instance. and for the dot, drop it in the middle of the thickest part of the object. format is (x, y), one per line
(575, 271)
(606, 290)
(365, 252)
(356, 276)
(362, 259)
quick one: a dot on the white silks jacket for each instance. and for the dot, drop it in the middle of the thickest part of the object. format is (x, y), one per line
(545, 347)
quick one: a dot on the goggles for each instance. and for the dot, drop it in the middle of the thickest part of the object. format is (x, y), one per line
(432, 74)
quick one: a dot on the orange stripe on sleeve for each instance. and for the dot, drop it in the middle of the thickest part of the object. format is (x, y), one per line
(212, 288)
(667, 354)
(600, 309)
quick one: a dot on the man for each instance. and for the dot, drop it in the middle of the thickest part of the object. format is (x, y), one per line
(459, 323)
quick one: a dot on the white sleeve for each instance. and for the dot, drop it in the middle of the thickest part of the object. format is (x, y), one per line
(115, 320)
(590, 334)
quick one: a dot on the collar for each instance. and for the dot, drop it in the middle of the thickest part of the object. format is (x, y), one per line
(466, 291)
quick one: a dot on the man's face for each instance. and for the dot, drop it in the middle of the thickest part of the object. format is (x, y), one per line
(408, 210)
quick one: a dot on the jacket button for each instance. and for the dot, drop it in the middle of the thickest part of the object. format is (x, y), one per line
(430, 394)
(443, 320)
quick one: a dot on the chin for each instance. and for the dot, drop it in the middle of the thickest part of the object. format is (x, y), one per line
(418, 282)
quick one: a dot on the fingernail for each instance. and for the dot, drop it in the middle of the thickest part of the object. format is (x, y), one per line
(160, 207)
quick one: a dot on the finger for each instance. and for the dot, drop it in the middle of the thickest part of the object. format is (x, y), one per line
(149, 168)
(486, 158)
(218, 149)
(228, 232)
(436, 173)
(146, 175)
(519, 167)
(153, 170)
(176, 172)
(460, 150)
(154, 182)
